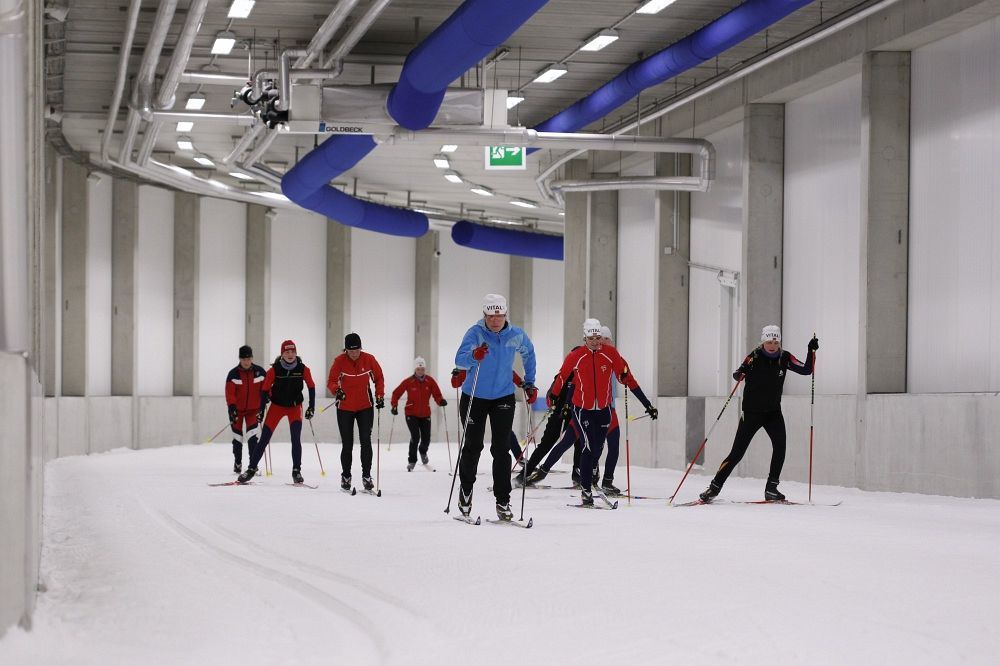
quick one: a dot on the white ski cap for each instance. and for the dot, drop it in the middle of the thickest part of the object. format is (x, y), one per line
(770, 332)
(419, 362)
(591, 327)
(494, 304)
(606, 332)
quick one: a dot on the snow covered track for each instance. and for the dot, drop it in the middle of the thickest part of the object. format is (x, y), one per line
(143, 563)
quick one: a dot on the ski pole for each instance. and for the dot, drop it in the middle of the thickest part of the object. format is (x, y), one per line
(812, 404)
(378, 450)
(527, 440)
(461, 443)
(328, 406)
(322, 471)
(391, 428)
(628, 462)
(704, 441)
(447, 439)
(637, 418)
(221, 430)
(531, 436)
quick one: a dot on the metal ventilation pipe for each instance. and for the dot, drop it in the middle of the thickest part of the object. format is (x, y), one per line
(353, 36)
(326, 31)
(116, 99)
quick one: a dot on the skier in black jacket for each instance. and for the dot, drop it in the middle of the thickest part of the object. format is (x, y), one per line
(764, 371)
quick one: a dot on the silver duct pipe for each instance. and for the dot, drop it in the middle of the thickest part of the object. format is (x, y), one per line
(15, 319)
(206, 79)
(326, 31)
(285, 79)
(142, 93)
(261, 148)
(197, 116)
(244, 143)
(354, 35)
(677, 184)
(116, 99)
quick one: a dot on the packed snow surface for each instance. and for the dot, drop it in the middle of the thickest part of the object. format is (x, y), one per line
(144, 563)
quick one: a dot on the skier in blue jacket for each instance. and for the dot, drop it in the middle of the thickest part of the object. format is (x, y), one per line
(487, 351)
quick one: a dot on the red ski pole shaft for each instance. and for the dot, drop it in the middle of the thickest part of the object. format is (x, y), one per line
(628, 462)
(704, 441)
(812, 405)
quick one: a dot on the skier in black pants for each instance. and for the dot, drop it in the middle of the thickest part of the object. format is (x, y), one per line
(558, 420)
(764, 372)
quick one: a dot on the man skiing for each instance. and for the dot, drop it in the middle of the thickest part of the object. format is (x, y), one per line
(458, 378)
(244, 398)
(487, 350)
(764, 371)
(283, 383)
(350, 379)
(419, 388)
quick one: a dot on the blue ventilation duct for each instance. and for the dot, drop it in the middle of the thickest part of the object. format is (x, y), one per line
(466, 37)
(725, 32)
(507, 241)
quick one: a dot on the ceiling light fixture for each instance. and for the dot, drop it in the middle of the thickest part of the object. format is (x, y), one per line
(449, 148)
(185, 143)
(600, 40)
(441, 162)
(523, 203)
(195, 102)
(482, 191)
(204, 160)
(240, 175)
(241, 8)
(224, 43)
(654, 6)
(513, 100)
(551, 73)
(185, 126)
(453, 177)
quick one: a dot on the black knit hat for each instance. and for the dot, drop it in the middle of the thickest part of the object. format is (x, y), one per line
(246, 352)
(352, 341)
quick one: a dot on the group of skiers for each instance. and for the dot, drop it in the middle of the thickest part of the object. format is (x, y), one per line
(581, 402)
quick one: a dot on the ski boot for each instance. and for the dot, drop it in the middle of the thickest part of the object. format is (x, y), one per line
(609, 489)
(345, 482)
(587, 497)
(424, 459)
(771, 492)
(504, 511)
(410, 466)
(711, 492)
(536, 475)
(369, 484)
(575, 478)
(247, 475)
(297, 476)
(464, 502)
(237, 467)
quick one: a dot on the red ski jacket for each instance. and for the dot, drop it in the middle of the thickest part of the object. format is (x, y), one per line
(418, 395)
(243, 388)
(353, 378)
(592, 384)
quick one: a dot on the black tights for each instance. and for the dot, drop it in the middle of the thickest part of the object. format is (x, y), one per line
(773, 424)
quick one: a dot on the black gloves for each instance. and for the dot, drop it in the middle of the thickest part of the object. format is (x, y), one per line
(530, 392)
(813, 344)
(741, 373)
(379, 402)
(394, 410)
(260, 413)
(339, 395)
(232, 413)
(443, 403)
(310, 412)
(653, 412)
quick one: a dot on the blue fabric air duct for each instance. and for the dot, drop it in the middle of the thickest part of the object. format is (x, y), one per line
(466, 37)
(507, 241)
(725, 32)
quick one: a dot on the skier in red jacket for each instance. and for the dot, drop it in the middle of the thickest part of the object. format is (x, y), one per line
(244, 398)
(351, 375)
(419, 388)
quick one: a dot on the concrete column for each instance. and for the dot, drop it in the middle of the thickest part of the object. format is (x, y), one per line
(763, 217)
(519, 300)
(673, 211)
(50, 305)
(187, 225)
(74, 279)
(885, 195)
(425, 340)
(258, 289)
(124, 246)
(575, 241)
(338, 289)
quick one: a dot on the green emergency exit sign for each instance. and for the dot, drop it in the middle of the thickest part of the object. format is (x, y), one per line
(505, 157)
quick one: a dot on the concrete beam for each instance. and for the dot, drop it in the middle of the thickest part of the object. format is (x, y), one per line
(258, 280)
(187, 226)
(602, 269)
(338, 289)
(50, 306)
(74, 279)
(124, 247)
(885, 210)
(763, 217)
(575, 246)
(426, 278)
(673, 213)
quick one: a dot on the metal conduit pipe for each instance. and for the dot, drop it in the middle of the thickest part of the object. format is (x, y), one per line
(116, 98)
(285, 79)
(244, 143)
(196, 116)
(677, 184)
(206, 79)
(354, 35)
(261, 147)
(326, 31)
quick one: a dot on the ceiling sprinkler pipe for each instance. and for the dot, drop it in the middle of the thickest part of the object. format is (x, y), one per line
(181, 56)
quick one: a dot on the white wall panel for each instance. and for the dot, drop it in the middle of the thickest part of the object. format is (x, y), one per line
(221, 292)
(298, 290)
(954, 290)
(822, 232)
(716, 240)
(635, 333)
(154, 316)
(99, 287)
(547, 319)
(382, 300)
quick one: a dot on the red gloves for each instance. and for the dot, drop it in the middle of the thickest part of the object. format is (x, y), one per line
(530, 392)
(457, 377)
(480, 352)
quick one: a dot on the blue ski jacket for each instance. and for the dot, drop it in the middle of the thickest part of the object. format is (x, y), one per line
(496, 371)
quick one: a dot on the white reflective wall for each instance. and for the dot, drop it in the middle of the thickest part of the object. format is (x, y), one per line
(154, 284)
(822, 233)
(716, 240)
(221, 292)
(99, 287)
(954, 291)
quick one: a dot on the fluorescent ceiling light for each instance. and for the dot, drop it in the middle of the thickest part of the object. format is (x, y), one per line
(441, 162)
(600, 40)
(185, 126)
(224, 43)
(185, 143)
(513, 100)
(523, 204)
(240, 175)
(561, 214)
(551, 73)
(453, 177)
(204, 160)
(241, 8)
(278, 196)
(449, 148)
(654, 6)
(482, 191)
(497, 220)
(195, 102)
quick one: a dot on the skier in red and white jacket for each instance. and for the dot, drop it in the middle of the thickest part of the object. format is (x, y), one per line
(419, 388)
(244, 398)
